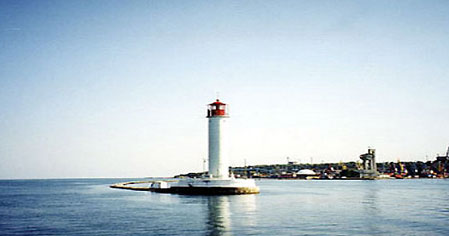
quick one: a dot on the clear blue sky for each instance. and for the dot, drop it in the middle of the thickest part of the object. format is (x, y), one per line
(119, 88)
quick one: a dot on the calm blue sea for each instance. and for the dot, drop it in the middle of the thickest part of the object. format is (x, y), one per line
(284, 207)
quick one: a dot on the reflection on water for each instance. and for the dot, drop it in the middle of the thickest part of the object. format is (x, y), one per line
(219, 212)
(371, 208)
(370, 198)
(218, 222)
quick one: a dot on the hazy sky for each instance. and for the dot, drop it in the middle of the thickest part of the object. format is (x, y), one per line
(119, 88)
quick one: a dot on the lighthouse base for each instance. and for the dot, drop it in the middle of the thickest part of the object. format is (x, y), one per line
(208, 186)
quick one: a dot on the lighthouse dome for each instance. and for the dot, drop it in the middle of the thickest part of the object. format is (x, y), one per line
(217, 109)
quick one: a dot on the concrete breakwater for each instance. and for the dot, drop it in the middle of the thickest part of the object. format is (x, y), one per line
(126, 185)
(190, 188)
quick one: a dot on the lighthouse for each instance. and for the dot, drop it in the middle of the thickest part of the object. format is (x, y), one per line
(218, 181)
(218, 117)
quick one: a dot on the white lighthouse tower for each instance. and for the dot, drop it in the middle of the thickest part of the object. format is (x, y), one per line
(218, 180)
(218, 159)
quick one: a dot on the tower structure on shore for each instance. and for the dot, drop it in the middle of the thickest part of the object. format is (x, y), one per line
(218, 160)
(369, 170)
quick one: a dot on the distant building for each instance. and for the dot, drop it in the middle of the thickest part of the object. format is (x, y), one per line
(369, 167)
(306, 173)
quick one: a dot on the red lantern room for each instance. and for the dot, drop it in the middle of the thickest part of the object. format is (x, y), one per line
(216, 109)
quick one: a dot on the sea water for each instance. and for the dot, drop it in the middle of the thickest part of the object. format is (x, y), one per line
(283, 207)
